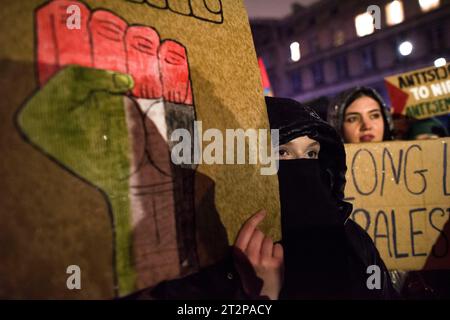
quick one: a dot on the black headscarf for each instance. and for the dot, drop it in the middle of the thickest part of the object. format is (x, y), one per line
(313, 213)
(294, 120)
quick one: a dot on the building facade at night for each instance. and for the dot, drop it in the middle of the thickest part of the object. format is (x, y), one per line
(333, 45)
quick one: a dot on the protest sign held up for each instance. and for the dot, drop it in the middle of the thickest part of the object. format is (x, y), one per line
(401, 196)
(422, 93)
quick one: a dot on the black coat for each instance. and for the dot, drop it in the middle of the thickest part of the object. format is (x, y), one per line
(222, 281)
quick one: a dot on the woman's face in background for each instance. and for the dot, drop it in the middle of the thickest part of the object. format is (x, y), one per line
(363, 121)
(300, 148)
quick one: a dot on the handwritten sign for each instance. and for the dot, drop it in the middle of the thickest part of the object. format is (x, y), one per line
(422, 93)
(401, 196)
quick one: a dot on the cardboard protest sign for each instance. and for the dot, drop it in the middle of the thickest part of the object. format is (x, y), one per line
(400, 193)
(421, 93)
(92, 92)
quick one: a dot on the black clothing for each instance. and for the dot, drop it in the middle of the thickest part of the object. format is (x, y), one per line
(326, 254)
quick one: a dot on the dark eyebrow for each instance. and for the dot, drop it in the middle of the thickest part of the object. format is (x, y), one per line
(357, 113)
(313, 144)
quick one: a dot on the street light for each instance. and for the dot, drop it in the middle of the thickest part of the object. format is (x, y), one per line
(440, 62)
(405, 48)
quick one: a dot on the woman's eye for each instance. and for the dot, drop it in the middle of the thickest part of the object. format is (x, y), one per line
(283, 153)
(351, 119)
(376, 116)
(312, 154)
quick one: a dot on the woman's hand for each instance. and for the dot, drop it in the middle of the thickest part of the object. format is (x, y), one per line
(265, 257)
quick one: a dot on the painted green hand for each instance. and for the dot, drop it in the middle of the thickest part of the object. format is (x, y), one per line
(78, 119)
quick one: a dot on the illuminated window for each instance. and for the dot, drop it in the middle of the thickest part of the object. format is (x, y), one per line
(295, 51)
(394, 13)
(427, 5)
(364, 24)
(339, 38)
